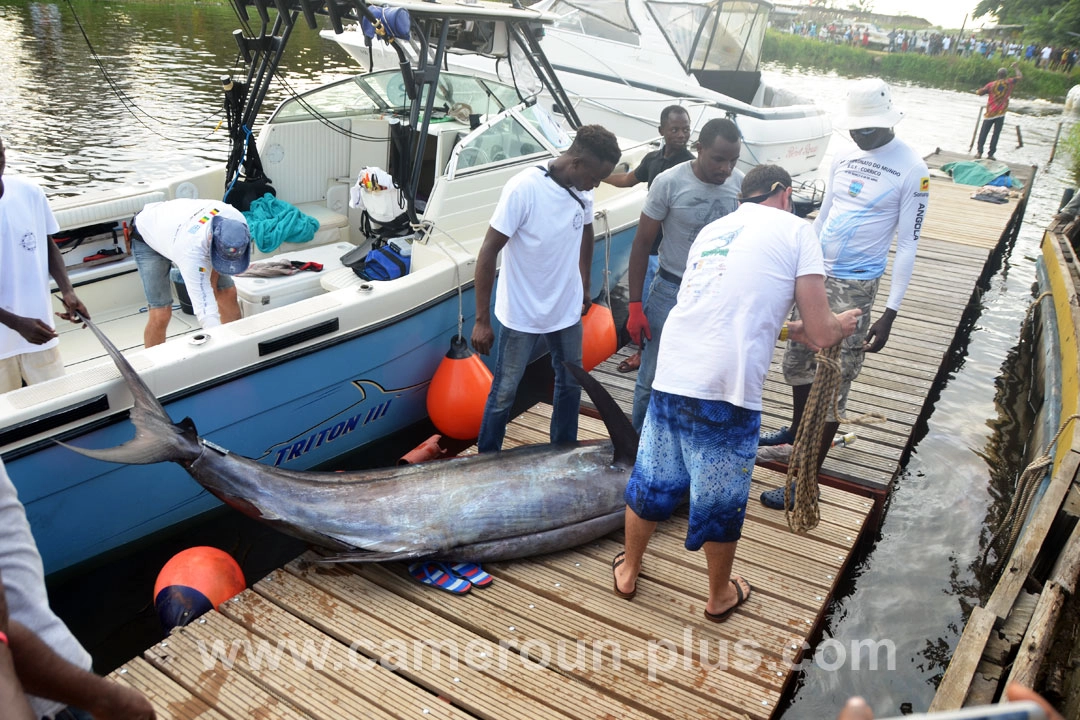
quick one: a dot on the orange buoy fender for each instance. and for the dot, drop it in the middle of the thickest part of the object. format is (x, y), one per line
(458, 392)
(194, 581)
(598, 337)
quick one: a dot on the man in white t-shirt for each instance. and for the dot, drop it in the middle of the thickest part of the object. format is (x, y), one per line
(743, 274)
(681, 200)
(29, 345)
(877, 190)
(543, 226)
(52, 665)
(208, 241)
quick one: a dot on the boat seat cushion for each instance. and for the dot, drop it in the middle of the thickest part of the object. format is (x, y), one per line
(123, 208)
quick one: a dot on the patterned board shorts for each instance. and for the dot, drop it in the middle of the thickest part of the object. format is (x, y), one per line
(799, 364)
(704, 447)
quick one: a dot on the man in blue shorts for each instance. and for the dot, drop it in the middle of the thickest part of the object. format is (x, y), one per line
(743, 274)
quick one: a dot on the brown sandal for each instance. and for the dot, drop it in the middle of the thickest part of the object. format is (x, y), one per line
(616, 562)
(631, 363)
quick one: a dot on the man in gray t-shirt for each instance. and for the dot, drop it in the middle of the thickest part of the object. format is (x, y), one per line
(682, 200)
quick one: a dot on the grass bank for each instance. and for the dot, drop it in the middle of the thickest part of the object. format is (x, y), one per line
(950, 72)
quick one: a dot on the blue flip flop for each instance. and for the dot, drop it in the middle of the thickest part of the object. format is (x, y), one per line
(439, 576)
(472, 573)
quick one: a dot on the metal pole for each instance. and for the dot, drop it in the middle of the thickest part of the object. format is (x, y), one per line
(1053, 149)
(976, 130)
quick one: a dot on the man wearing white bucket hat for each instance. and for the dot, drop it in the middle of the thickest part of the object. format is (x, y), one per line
(877, 190)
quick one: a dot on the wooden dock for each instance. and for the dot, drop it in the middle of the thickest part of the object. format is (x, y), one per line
(549, 638)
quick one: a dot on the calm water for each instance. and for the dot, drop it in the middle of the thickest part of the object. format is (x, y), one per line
(74, 130)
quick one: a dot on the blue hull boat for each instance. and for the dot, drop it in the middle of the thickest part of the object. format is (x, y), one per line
(320, 365)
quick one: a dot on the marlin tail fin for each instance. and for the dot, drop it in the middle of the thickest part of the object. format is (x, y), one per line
(156, 439)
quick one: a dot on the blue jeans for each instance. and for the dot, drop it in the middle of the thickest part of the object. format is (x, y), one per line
(515, 349)
(662, 296)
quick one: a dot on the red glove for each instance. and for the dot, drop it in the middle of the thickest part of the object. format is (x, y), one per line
(638, 324)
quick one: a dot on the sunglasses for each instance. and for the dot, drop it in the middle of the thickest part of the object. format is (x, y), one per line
(765, 196)
(865, 132)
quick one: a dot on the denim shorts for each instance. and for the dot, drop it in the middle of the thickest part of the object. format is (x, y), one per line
(154, 272)
(704, 447)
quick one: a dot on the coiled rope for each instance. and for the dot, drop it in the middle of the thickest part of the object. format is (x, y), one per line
(804, 515)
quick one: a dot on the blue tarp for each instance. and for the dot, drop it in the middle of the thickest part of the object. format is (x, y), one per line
(272, 222)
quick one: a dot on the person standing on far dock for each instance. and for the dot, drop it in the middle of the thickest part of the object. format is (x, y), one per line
(997, 103)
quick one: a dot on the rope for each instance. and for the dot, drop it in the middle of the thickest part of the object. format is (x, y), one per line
(607, 257)
(1025, 493)
(805, 515)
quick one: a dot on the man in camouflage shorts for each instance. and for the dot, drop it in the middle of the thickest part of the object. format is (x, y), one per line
(878, 190)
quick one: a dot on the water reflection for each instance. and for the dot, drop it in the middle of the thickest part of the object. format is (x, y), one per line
(68, 128)
(144, 105)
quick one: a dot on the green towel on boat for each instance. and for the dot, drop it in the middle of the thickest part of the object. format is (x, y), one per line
(978, 173)
(272, 222)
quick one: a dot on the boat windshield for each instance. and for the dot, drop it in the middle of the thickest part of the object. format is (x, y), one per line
(385, 91)
(712, 35)
(605, 19)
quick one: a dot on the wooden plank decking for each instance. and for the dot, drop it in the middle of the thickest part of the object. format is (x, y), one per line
(549, 638)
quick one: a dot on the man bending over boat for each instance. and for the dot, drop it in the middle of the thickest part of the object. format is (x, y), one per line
(743, 273)
(681, 201)
(209, 242)
(543, 225)
(29, 349)
(675, 131)
(877, 190)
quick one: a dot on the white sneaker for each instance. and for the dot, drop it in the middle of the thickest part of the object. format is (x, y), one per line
(774, 453)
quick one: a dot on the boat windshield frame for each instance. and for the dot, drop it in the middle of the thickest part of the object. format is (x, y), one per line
(713, 17)
(602, 25)
(383, 100)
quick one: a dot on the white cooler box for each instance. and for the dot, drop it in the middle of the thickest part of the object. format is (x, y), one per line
(258, 294)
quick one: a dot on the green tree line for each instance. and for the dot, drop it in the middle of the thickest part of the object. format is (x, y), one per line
(950, 72)
(1046, 21)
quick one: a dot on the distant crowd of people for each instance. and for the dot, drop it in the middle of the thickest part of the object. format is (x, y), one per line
(928, 42)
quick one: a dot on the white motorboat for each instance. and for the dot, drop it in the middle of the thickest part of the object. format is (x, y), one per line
(322, 363)
(622, 61)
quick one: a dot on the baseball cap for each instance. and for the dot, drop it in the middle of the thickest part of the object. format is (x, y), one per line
(230, 245)
(869, 105)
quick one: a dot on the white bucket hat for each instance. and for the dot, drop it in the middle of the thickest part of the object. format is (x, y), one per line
(869, 105)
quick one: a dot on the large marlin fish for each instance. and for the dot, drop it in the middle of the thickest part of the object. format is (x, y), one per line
(526, 501)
